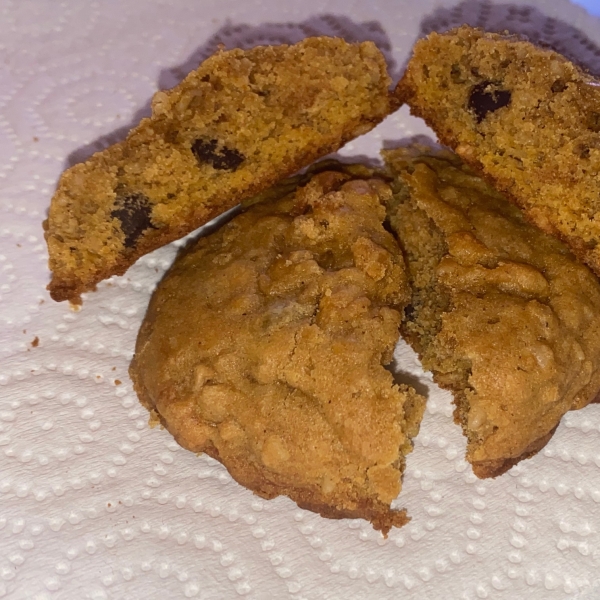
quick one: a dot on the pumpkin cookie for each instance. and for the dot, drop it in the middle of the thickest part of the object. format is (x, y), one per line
(501, 313)
(239, 123)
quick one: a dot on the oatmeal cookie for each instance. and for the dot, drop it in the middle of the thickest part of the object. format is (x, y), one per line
(239, 123)
(265, 343)
(501, 313)
(523, 117)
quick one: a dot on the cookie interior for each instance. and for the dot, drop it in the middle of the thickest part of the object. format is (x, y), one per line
(524, 117)
(232, 128)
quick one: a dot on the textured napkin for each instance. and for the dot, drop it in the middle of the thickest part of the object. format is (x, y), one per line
(94, 503)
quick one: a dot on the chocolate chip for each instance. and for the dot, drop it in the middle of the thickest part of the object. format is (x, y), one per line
(558, 86)
(230, 159)
(223, 159)
(486, 98)
(133, 211)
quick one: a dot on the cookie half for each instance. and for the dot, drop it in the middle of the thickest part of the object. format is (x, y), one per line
(524, 117)
(239, 123)
(264, 347)
(501, 313)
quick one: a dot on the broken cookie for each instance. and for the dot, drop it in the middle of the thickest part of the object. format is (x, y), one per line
(239, 123)
(501, 313)
(523, 117)
(264, 347)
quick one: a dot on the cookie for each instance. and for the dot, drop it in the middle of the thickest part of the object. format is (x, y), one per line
(502, 314)
(523, 117)
(264, 347)
(239, 123)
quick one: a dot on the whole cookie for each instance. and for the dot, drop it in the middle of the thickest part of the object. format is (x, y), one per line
(265, 343)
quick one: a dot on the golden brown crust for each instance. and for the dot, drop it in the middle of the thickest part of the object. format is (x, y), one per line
(264, 345)
(501, 313)
(485, 469)
(235, 126)
(251, 476)
(523, 117)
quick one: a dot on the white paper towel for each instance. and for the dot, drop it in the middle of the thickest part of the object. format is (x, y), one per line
(93, 503)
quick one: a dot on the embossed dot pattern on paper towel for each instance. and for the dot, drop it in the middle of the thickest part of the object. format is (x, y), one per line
(95, 504)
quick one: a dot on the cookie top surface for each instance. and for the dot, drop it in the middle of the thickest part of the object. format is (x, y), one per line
(524, 117)
(239, 123)
(264, 345)
(502, 313)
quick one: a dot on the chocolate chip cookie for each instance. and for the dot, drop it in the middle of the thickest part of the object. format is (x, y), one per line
(524, 117)
(239, 123)
(501, 313)
(265, 343)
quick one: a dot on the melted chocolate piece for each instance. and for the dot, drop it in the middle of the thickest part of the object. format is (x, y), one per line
(225, 159)
(133, 211)
(558, 86)
(485, 98)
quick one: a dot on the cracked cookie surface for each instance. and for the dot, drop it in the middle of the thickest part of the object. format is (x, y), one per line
(501, 313)
(264, 347)
(239, 123)
(523, 117)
